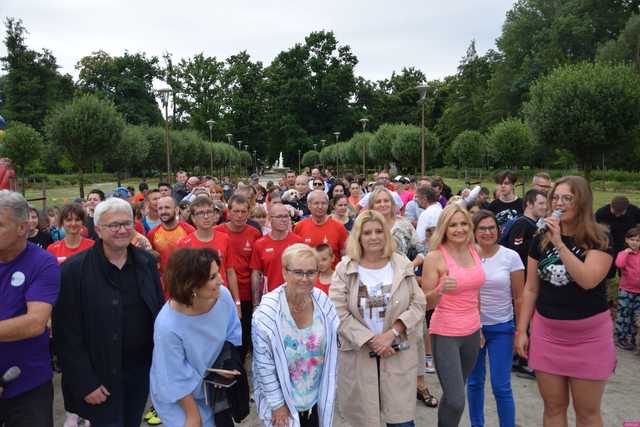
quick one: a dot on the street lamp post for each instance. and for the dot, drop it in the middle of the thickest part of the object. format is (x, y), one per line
(255, 163)
(337, 135)
(322, 141)
(239, 145)
(211, 122)
(229, 136)
(164, 95)
(364, 122)
(299, 163)
(422, 91)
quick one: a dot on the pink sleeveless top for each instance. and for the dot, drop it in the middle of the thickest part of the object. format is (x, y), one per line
(457, 313)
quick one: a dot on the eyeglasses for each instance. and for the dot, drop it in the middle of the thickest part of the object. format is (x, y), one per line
(301, 274)
(208, 212)
(114, 227)
(566, 198)
(491, 229)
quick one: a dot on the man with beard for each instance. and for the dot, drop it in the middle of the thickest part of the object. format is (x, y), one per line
(165, 236)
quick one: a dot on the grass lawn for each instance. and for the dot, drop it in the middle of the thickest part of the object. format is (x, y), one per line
(61, 195)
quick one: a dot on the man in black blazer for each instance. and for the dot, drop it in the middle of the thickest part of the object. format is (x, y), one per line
(103, 322)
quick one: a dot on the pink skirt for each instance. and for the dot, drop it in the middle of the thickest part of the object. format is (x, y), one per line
(580, 349)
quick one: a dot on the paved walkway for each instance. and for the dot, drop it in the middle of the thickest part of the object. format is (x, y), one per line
(621, 400)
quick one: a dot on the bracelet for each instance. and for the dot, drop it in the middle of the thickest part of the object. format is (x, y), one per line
(395, 332)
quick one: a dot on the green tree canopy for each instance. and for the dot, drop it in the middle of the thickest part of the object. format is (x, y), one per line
(588, 109)
(84, 130)
(512, 143)
(311, 158)
(125, 80)
(23, 145)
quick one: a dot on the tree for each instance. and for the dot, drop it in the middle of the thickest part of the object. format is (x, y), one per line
(130, 152)
(311, 158)
(380, 144)
(626, 48)
(32, 85)
(125, 80)
(470, 150)
(407, 146)
(24, 146)
(589, 109)
(511, 142)
(85, 130)
(539, 35)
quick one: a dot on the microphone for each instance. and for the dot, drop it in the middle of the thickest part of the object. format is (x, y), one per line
(10, 374)
(397, 347)
(543, 227)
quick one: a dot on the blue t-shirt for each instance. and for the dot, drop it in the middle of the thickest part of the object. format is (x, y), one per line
(33, 276)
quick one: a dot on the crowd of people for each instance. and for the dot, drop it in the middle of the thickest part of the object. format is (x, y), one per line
(344, 294)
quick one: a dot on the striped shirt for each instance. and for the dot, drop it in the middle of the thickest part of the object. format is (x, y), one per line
(271, 381)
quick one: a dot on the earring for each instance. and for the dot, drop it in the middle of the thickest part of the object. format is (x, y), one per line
(194, 294)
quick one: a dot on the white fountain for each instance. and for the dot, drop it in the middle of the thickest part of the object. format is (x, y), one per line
(279, 167)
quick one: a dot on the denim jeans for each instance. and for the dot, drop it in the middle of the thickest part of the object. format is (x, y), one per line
(31, 408)
(499, 344)
(405, 424)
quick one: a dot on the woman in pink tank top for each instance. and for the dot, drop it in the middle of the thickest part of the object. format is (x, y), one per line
(451, 278)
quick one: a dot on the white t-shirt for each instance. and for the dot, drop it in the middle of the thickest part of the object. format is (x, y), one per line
(495, 294)
(428, 219)
(373, 295)
(364, 201)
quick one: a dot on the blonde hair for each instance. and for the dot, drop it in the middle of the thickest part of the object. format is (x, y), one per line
(589, 234)
(376, 193)
(354, 248)
(440, 234)
(454, 199)
(298, 250)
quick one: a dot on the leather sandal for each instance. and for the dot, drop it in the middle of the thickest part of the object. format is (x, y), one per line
(423, 395)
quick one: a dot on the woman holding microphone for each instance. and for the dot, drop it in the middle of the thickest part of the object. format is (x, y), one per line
(451, 277)
(571, 345)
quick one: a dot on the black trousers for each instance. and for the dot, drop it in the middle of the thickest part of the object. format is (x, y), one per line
(246, 307)
(309, 418)
(29, 409)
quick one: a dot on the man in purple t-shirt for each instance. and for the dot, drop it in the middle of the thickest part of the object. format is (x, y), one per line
(29, 284)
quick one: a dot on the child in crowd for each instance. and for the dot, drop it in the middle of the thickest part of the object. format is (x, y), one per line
(628, 261)
(325, 270)
(259, 215)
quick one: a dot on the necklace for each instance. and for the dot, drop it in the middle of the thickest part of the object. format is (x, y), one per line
(297, 308)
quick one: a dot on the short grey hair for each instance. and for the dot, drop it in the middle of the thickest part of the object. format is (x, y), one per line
(16, 203)
(296, 251)
(112, 204)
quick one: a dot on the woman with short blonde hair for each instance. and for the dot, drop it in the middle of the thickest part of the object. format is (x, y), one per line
(381, 308)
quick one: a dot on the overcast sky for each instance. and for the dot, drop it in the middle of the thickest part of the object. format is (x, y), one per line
(385, 36)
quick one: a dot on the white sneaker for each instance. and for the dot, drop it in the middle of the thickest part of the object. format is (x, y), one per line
(71, 420)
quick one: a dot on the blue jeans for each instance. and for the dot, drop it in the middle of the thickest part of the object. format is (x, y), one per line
(405, 424)
(499, 344)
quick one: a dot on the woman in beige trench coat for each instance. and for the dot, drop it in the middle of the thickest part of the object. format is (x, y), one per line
(380, 307)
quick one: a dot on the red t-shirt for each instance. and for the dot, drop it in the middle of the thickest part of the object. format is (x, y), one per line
(61, 251)
(267, 258)
(331, 232)
(165, 242)
(240, 249)
(219, 243)
(324, 287)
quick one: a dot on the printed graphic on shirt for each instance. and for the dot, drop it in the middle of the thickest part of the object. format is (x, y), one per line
(506, 215)
(17, 279)
(551, 269)
(372, 304)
